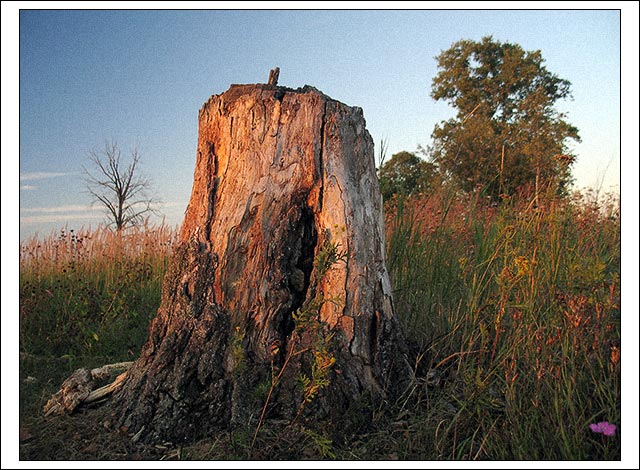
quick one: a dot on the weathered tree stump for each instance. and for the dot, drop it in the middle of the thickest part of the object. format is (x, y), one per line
(277, 302)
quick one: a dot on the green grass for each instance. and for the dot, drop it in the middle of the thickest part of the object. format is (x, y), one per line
(512, 313)
(91, 293)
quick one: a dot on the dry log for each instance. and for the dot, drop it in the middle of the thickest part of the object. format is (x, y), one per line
(78, 388)
(105, 390)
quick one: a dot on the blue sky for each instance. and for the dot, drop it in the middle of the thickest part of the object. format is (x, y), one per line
(139, 78)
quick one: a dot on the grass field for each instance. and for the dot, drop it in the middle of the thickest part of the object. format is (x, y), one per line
(511, 311)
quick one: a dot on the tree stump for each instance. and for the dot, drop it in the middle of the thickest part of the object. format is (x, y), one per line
(277, 302)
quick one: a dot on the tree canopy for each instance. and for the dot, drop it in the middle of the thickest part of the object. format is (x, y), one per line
(405, 174)
(506, 133)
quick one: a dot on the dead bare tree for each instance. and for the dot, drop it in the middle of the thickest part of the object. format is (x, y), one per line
(119, 188)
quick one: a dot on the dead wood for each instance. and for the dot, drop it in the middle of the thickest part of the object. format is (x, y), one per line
(80, 388)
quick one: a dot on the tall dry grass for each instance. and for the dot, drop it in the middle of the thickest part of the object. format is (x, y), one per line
(512, 312)
(91, 292)
(515, 308)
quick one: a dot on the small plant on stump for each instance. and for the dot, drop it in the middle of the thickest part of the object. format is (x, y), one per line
(308, 324)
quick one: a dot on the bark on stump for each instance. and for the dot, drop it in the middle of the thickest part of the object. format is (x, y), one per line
(280, 175)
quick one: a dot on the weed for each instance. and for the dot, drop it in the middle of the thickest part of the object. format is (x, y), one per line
(308, 324)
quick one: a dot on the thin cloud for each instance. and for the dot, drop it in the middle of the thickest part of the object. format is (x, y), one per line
(30, 216)
(66, 213)
(40, 175)
(27, 187)
(58, 214)
(71, 208)
(57, 218)
(57, 209)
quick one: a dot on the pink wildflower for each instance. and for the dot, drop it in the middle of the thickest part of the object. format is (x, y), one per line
(603, 427)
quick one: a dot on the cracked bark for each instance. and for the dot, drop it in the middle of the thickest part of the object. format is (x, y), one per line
(279, 172)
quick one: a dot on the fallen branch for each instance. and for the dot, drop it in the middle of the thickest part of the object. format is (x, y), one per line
(80, 389)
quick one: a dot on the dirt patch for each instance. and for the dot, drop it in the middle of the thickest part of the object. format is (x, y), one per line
(81, 436)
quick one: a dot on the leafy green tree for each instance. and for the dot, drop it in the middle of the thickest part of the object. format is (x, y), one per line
(406, 174)
(506, 133)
